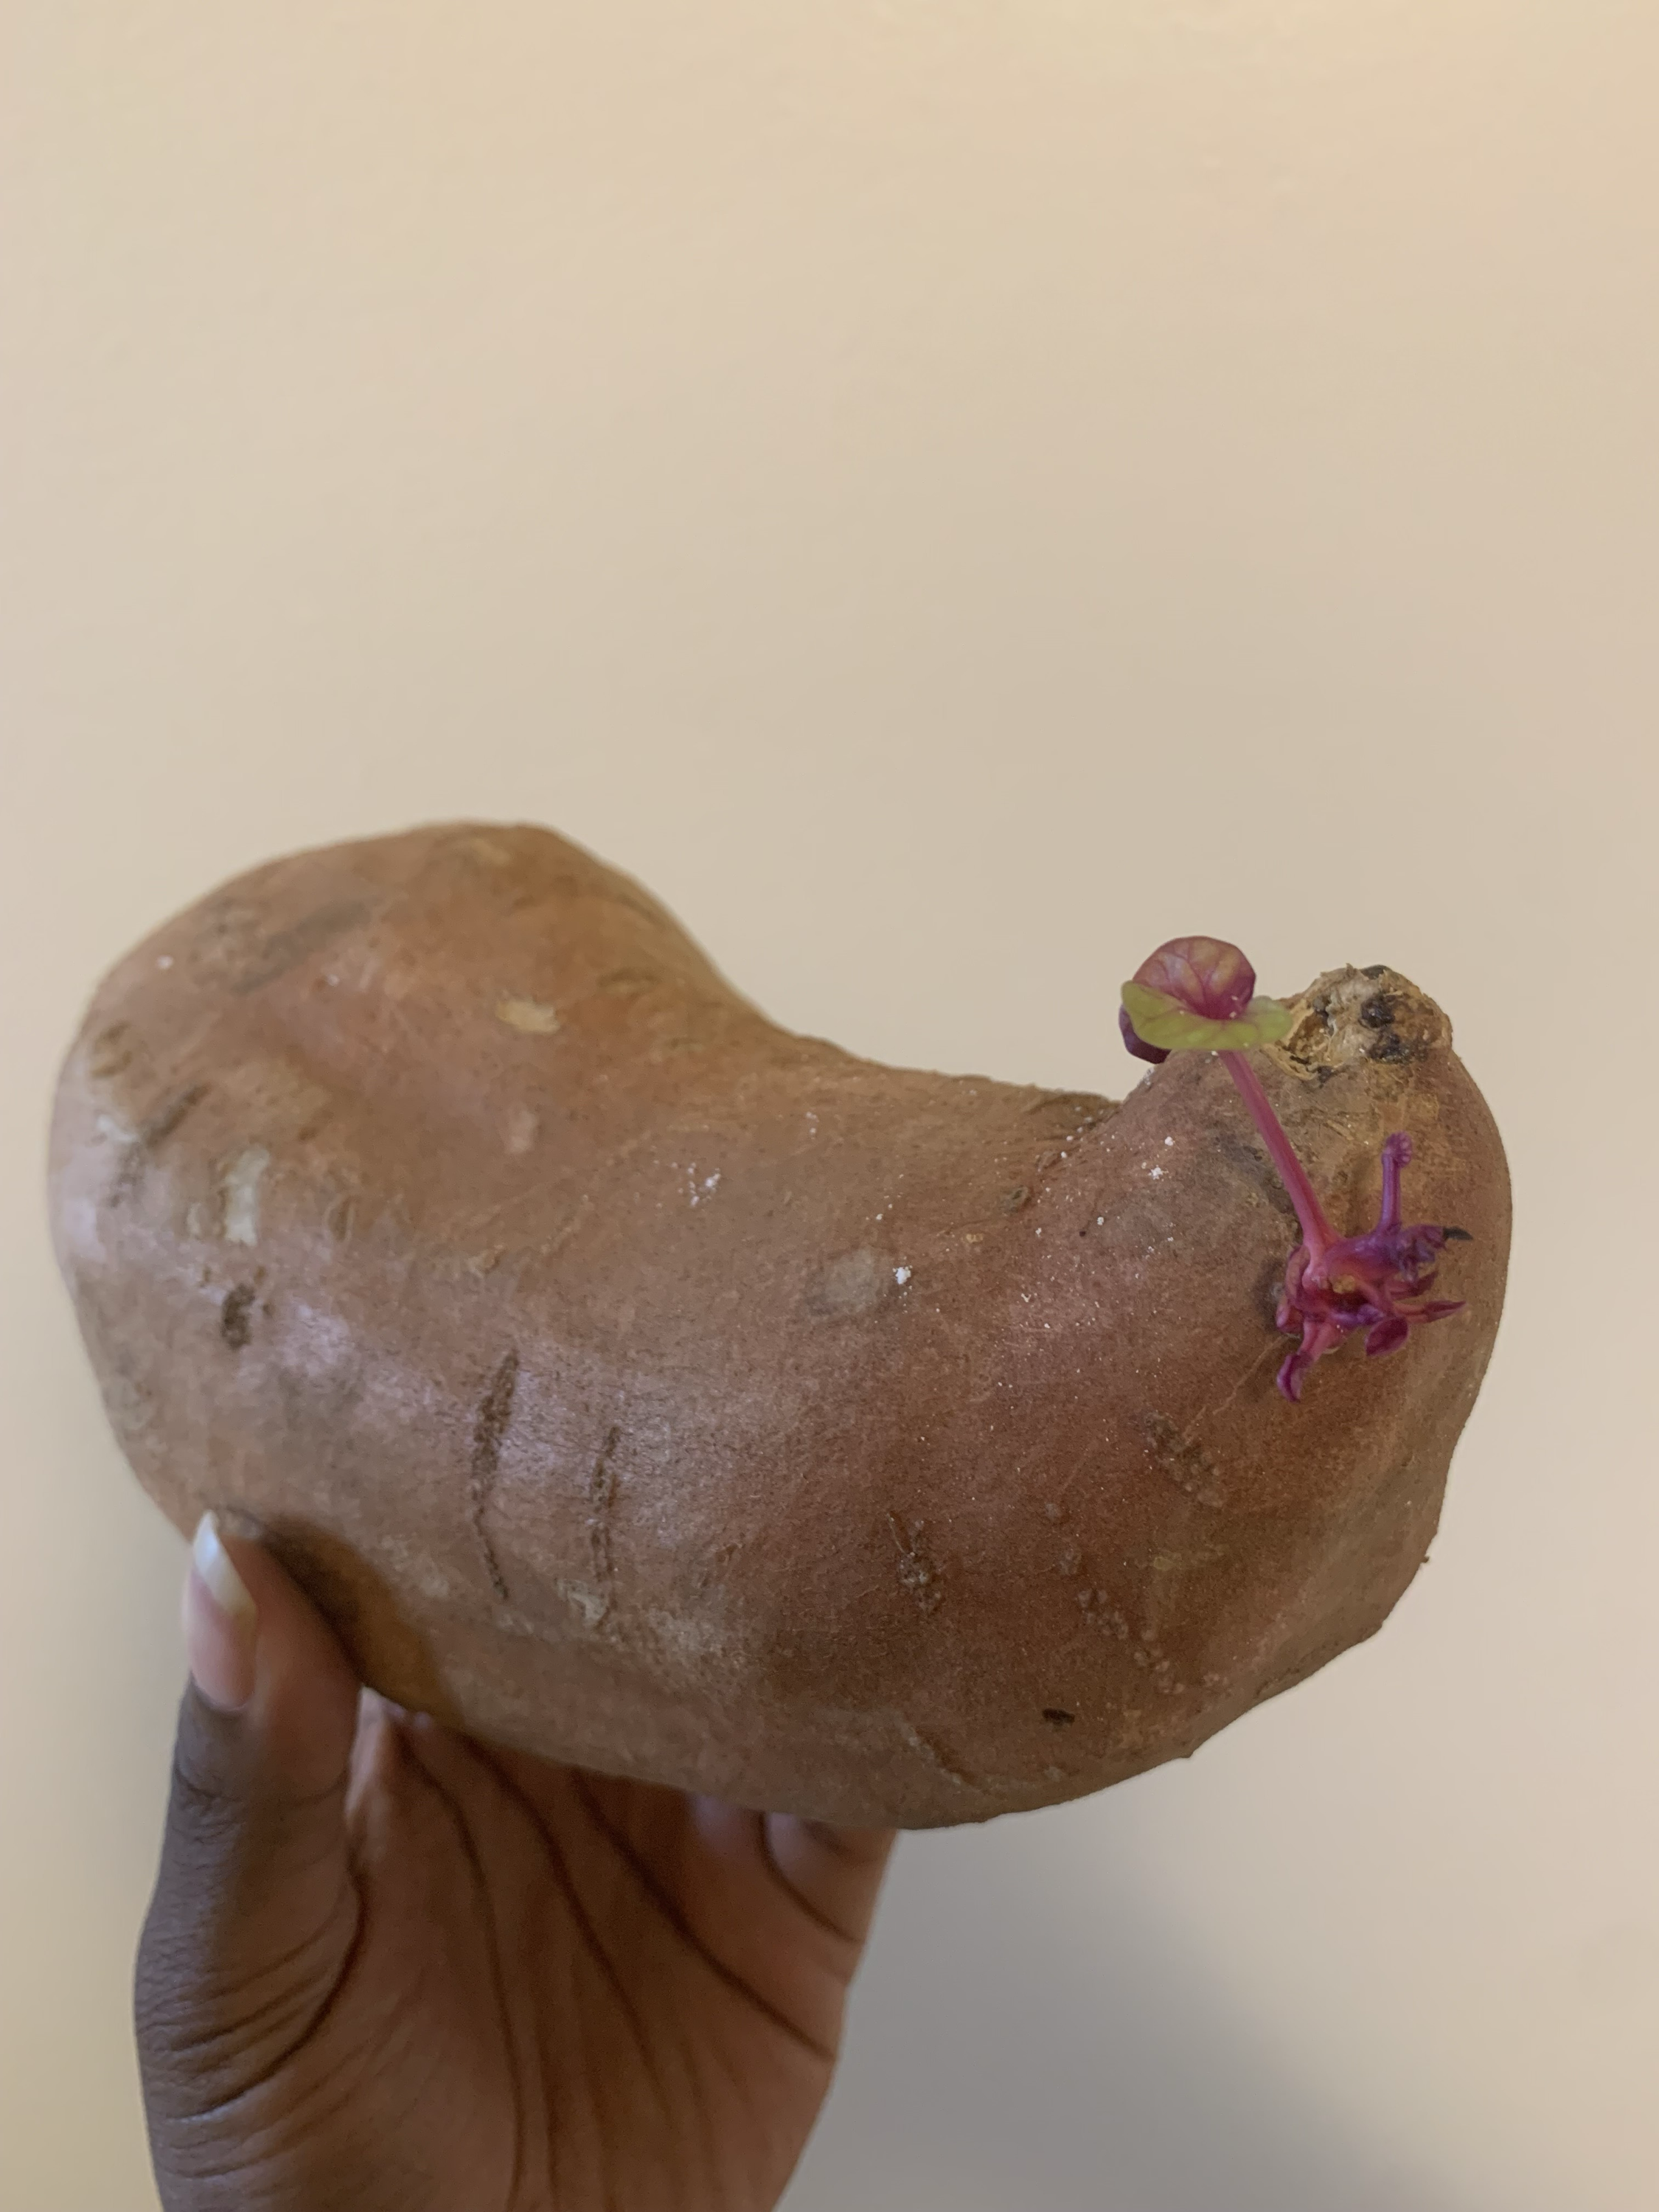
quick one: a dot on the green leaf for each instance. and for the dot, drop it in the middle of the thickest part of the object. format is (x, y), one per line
(1162, 1020)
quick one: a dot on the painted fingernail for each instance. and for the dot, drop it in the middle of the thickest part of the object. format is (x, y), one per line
(221, 1625)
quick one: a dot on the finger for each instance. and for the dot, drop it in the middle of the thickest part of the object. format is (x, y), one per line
(835, 1872)
(254, 1911)
(787, 1908)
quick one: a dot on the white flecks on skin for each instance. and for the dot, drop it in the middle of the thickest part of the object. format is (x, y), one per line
(1156, 1172)
(80, 1218)
(684, 1636)
(410, 1564)
(164, 960)
(1169, 1141)
(591, 1606)
(533, 1017)
(317, 1344)
(520, 1129)
(430, 1580)
(116, 1132)
(239, 1189)
(900, 1276)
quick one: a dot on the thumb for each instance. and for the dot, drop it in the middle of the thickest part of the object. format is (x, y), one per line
(255, 1912)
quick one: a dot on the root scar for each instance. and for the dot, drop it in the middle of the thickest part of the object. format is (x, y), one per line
(489, 1428)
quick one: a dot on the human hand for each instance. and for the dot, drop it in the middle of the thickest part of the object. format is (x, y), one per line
(389, 1967)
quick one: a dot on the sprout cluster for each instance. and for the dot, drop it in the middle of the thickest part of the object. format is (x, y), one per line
(1198, 994)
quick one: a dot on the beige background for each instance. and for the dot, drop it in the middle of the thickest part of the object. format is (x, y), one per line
(949, 494)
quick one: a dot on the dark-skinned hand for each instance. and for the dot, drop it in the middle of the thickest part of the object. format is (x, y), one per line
(390, 1969)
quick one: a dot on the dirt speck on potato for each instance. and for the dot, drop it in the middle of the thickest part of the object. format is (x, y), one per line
(236, 1315)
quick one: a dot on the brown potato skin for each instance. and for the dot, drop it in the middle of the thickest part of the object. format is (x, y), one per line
(433, 1202)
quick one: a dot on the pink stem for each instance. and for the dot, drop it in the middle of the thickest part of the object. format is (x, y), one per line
(1316, 1233)
(1397, 1154)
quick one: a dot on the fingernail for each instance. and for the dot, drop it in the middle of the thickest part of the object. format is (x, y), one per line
(221, 1624)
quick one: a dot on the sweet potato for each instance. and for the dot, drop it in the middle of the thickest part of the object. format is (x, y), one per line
(638, 1383)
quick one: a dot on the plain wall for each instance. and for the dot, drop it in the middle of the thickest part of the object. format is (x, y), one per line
(949, 495)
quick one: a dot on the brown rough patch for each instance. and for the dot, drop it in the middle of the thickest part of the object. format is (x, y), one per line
(236, 1315)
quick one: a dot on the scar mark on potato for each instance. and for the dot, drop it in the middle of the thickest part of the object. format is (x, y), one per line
(238, 1195)
(1272, 1350)
(568, 1227)
(1150, 1654)
(601, 1498)
(111, 1052)
(487, 852)
(1183, 1563)
(236, 1315)
(531, 1017)
(853, 1283)
(1080, 1109)
(935, 1758)
(287, 948)
(488, 1427)
(1095, 1606)
(629, 982)
(1187, 1464)
(165, 1118)
(152, 1131)
(917, 1572)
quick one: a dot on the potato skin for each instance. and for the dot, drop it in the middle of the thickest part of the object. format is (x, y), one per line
(642, 1385)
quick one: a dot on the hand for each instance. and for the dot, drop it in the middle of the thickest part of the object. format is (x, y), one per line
(390, 1969)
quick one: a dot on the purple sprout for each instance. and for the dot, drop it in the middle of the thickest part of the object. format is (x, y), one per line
(1197, 994)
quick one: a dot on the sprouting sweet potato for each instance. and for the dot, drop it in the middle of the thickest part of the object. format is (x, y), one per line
(638, 1383)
